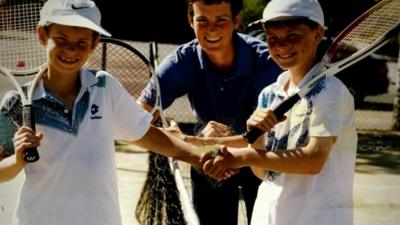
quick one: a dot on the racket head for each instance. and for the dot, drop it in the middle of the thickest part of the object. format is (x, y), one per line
(365, 33)
(21, 56)
(122, 61)
(129, 66)
(20, 50)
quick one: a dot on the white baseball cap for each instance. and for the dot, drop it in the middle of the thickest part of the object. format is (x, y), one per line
(77, 13)
(280, 10)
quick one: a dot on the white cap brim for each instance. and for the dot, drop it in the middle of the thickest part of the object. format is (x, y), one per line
(76, 21)
(281, 10)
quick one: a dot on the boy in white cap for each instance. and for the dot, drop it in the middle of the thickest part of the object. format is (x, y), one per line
(79, 114)
(307, 160)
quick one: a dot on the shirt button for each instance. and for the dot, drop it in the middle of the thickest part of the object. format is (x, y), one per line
(66, 111)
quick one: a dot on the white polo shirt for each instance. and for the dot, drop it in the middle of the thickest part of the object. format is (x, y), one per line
(324, 198)
(75, 182)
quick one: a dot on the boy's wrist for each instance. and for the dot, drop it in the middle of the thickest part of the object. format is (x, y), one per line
(19, 160)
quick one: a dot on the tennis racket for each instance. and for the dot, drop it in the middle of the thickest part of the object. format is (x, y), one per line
(163, 197)
(363, 36)
(22, 60)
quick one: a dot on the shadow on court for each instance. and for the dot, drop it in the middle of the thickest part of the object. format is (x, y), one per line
(378, 152)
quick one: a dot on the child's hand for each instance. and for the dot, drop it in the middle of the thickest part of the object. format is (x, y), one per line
(222, 166)
(23, 139)
(215, 129)
(173, 128)
(209, 156)
(263, 119)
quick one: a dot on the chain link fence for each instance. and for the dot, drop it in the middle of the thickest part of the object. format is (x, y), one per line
(376, 112)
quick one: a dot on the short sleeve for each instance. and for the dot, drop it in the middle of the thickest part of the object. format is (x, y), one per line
(130, 121)
(172, 77)
(332, 111)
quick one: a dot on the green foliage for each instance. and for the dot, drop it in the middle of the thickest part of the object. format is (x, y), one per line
(252, 10)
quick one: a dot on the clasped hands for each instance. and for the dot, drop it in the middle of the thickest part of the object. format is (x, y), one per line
(214, 157)
(219, 164)
(226, 162)
(222, 162)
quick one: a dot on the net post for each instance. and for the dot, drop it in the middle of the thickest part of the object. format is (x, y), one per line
(396, 103)
(153, 53)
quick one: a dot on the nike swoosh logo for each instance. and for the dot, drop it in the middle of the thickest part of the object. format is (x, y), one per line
(76, 8)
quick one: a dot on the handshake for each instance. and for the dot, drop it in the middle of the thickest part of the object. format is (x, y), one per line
(218, 163)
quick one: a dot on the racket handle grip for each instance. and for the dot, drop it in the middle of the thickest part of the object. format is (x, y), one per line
(251, 135)
(28, 119)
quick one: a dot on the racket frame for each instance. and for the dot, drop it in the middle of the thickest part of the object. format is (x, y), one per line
(23, 17)
(30, 155)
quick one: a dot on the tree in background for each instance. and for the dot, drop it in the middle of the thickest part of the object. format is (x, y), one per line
(252, 10)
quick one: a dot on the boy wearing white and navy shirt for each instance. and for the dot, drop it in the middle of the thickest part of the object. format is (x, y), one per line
(304, 199)
(76, 170)
(79, 114)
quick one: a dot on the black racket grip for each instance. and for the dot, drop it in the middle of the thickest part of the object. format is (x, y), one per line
(251, 135)
(31, 154)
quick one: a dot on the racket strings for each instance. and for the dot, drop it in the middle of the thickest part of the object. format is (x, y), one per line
(20, 50)
(127, 67)
(368, 29)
